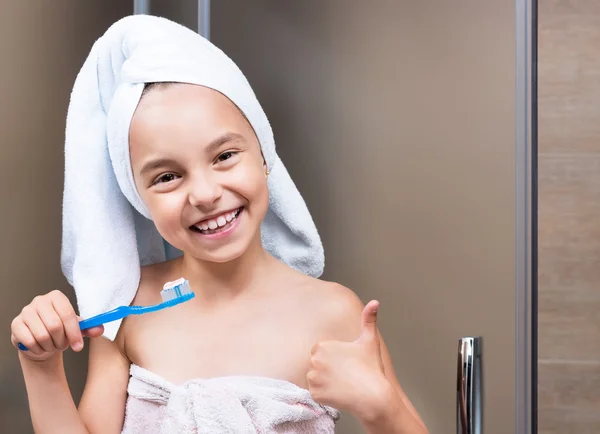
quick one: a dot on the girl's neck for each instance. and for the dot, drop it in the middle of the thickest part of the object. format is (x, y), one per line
(214, 282)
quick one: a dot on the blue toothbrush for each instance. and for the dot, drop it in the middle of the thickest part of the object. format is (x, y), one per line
(173, 294)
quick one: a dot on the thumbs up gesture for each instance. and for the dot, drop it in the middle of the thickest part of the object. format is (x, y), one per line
(350, 376)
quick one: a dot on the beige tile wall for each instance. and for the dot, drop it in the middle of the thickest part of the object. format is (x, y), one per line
(569, 216)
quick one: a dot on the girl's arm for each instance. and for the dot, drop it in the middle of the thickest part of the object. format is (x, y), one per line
(396, 413)
(50, 402)
(351, 368)
(102, 405)
(46, 328)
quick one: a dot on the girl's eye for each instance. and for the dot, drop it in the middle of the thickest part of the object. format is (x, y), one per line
(226, 156)
(167, 177)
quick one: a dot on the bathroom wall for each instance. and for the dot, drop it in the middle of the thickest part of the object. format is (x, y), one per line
(184, 12)
(400, 137)
(43, 45)
(569, 216)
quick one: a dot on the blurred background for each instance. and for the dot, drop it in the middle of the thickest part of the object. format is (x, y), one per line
(399, 121)
(43, 46)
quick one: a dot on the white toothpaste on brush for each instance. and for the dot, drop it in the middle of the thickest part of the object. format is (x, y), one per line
(175, 289)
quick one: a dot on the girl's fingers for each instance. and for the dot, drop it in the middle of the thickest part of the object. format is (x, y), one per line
(70, 322)
(23, 336)
(41, 335)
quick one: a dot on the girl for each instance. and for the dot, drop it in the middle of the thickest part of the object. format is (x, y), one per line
(279, 351)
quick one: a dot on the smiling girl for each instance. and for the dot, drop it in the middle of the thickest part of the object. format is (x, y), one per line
(261, 348)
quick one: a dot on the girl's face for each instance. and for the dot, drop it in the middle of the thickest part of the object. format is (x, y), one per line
(198, 167)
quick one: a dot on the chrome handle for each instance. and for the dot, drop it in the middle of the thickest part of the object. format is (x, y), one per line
(469, 388)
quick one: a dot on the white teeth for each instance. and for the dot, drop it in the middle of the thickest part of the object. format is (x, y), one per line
(218, 222)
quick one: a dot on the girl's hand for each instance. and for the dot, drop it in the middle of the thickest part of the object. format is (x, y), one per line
(350, 376)
(48, 326)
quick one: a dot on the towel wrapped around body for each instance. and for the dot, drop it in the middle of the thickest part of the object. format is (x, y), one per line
(224, 405)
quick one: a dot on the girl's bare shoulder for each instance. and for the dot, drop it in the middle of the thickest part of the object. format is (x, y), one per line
(335, 308)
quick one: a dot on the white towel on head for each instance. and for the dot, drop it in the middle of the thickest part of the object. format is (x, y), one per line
(107, 231)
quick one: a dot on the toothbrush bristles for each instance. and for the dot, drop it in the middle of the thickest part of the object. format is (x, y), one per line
(175, 290)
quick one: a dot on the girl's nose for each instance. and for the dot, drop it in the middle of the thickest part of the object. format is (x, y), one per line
(204, 190)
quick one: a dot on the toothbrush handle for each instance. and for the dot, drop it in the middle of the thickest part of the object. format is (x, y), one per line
(123, 311)
(112, 315)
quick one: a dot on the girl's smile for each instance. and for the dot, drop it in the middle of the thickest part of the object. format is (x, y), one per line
(219, 226)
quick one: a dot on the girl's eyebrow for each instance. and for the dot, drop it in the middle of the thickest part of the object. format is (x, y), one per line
(154, 164)
(221, 140)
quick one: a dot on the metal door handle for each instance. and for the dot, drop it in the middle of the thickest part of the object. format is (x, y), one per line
(469, 387)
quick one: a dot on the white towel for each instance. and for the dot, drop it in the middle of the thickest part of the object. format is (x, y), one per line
(224, 405)
(107, 233)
